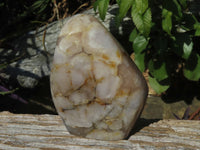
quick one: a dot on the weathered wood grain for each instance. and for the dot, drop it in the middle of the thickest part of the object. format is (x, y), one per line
(169, 134)
(47, 132)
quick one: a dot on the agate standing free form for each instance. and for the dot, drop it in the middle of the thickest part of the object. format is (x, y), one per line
(96, 88)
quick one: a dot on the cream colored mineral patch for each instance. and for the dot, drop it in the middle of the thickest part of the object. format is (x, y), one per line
(96, 88)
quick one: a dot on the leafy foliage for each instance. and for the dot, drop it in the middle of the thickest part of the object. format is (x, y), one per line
(123, 9)
(102, 6)
(165, 39)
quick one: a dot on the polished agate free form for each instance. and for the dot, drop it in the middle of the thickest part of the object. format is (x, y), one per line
(97, 89)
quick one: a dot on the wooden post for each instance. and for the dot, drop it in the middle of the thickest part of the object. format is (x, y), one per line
(35, 132)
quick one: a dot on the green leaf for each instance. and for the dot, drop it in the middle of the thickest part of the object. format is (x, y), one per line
(143, 22)
(197, 28)
(95, 5)
(102, 6)
(124, 6)
(37, 4)
(173, 6)
(187, 49)
(40, 5)
(189, 21)
(118, 1)
(133, 35)
(141, 6)
(192, 68)
(183, 3)
(180, 45)
(147, 19)
(167, 21)
(178, 8)
(137, 19)
(159, 88)
(139, 44)
(140, 61)
(158, 69)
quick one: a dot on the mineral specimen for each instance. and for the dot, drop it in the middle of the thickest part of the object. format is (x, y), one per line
(96, 88)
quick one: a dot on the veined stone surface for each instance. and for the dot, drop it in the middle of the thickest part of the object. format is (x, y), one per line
(96, 88)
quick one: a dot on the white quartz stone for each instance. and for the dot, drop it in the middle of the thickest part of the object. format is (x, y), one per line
(96, 88)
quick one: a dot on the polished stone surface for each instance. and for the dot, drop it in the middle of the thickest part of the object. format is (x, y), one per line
(96, 88)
